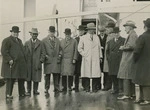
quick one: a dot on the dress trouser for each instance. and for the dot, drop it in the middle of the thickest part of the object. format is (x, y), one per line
(76, 82)
(107, 81)
(144, 93)
(10, 84)
(56, 80)
(64, 81)
(128, 87)
(35, 86)
(95, 82)
(120, 81)
(115, 82)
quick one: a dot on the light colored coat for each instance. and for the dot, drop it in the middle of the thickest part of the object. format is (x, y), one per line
(127, 65)
(52, 62)
(35, 57)
(69, 53)
(91, 54)
(109, 37)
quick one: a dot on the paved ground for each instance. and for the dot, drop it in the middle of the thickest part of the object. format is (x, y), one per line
(67, 101)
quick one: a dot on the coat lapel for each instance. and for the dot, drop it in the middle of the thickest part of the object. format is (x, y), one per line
(48, 41)
(116, 44)
(68, 43)
(37, 44)
(30, 45)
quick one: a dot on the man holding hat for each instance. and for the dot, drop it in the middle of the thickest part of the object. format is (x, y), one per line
(127, 65)
(142, 60)
(14, 65)
(90, 49)
(52, 60)
(114, 55)
(35, 57)
(81, 30)
(110, 35)
(69, 58)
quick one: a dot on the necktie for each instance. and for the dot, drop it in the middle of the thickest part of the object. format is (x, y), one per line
(91, 37)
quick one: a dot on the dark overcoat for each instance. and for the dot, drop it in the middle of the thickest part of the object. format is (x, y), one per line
(13, 49)
(79, 60)
(52, 61)
(114, 55)
(35, 56)
(103, 45)
(69, 53)
(127, 65)
(142, 60)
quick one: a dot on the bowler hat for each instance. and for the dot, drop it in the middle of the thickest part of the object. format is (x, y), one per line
(34, 30)
(81, 27)
(67, 31)
(130, 23)
(147, 22)
(116, 30)
(52, 29)
(110, 25)
(91, 26)
(15, 29)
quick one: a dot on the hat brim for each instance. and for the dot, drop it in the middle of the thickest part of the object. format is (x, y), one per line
(35, 32)
(80, 29)
(15, 31)
(67, 33)
(130, 25)
(116, 31)
(91, 28)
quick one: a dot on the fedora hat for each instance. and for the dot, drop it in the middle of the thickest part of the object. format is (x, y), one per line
(67, 31)
(116, 30)
(81, 27)
(34, 30)
(147, 22)
(130, 23)
(15, 29)
(102, 29)
(91, 26)
(52, 29)
(110, 25)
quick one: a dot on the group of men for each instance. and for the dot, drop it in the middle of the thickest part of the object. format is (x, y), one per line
(87, 56)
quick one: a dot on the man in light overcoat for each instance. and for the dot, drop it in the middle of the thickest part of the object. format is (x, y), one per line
(90, 49)
(127, 65)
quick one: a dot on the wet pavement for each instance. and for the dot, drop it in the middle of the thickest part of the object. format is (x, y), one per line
(67, 101)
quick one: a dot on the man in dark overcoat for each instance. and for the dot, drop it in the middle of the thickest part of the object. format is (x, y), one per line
(142, 61)
(81, 30)
(114, 54)
(52, 60)
(14, 64)
(35, 57)
(103, 37)
(69, 57)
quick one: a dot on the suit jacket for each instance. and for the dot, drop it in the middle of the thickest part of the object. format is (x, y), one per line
(69, 53)
(52, 59)
(13, 49)
(114, 55)
(35, 56)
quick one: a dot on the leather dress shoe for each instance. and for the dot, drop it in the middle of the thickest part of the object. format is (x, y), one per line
(36, 93)
(9, 97)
